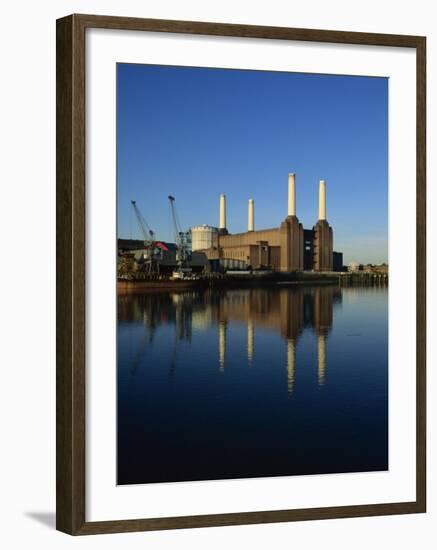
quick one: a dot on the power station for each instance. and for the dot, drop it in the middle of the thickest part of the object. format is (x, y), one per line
(207, 251)
(286, 248)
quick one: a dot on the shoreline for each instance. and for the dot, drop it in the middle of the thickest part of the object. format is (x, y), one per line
(244, 281)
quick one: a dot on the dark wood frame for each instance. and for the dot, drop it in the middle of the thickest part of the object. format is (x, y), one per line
(70, 297)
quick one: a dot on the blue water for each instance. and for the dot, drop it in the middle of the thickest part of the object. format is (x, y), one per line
(252, 382)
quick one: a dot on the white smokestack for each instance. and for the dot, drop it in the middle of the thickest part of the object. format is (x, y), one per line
(322, 200)
(291, 195)
(251, 216)
(222, 212)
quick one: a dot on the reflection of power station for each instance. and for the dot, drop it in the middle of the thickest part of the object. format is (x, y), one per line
(321, 358)
(222, 344)
(291, 365)
(285, 248)
(250, 340)
(284, 311)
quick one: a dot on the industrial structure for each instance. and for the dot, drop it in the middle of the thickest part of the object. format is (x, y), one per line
(286, 248)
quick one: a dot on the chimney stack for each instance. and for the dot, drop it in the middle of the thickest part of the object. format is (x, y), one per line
(251, 216)
(291, 195)
(222, 212)
(322, 200)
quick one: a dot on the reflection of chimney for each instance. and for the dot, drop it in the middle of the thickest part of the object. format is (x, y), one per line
(222, 344)
(291, 195)
(251, 216)
(222, 212)
(250, 338)
(322, 200)
(291, 365)
(321, 353)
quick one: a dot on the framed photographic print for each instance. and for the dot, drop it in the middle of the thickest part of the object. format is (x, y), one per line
(240, 274)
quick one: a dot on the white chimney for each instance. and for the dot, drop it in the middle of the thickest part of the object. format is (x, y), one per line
(251, 216)
(222, 212)
(291, 195)
(322, 200)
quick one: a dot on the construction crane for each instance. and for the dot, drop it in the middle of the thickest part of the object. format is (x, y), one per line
(183, 242)
(152, 249)
(148, 234)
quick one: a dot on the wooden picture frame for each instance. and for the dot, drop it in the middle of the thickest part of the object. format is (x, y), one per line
(71, 247)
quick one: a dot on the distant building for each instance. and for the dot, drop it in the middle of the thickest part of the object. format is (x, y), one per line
(372, 268)
(337, 261)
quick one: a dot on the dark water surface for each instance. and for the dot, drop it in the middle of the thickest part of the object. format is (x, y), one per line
(252, 382)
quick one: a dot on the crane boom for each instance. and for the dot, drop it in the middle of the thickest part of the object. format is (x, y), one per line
(176, 226)
(182, 239)
(148, 234)
(153, 251)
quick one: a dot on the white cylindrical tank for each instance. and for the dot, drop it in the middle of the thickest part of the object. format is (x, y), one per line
(203, 236)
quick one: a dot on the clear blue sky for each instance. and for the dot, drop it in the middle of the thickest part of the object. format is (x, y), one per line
(195, 133)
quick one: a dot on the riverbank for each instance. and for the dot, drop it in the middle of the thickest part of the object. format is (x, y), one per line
(138, 287)
(251, 279)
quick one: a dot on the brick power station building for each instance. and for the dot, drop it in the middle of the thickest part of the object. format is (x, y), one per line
(286, 248)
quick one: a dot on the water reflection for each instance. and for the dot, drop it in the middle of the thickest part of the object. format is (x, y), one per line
(222, 343)
(321, 358)
(286, 311)
(251, 382)
(250, 340)
(291, 364)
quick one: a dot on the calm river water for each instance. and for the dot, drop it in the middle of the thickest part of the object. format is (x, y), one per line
(252, 382)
